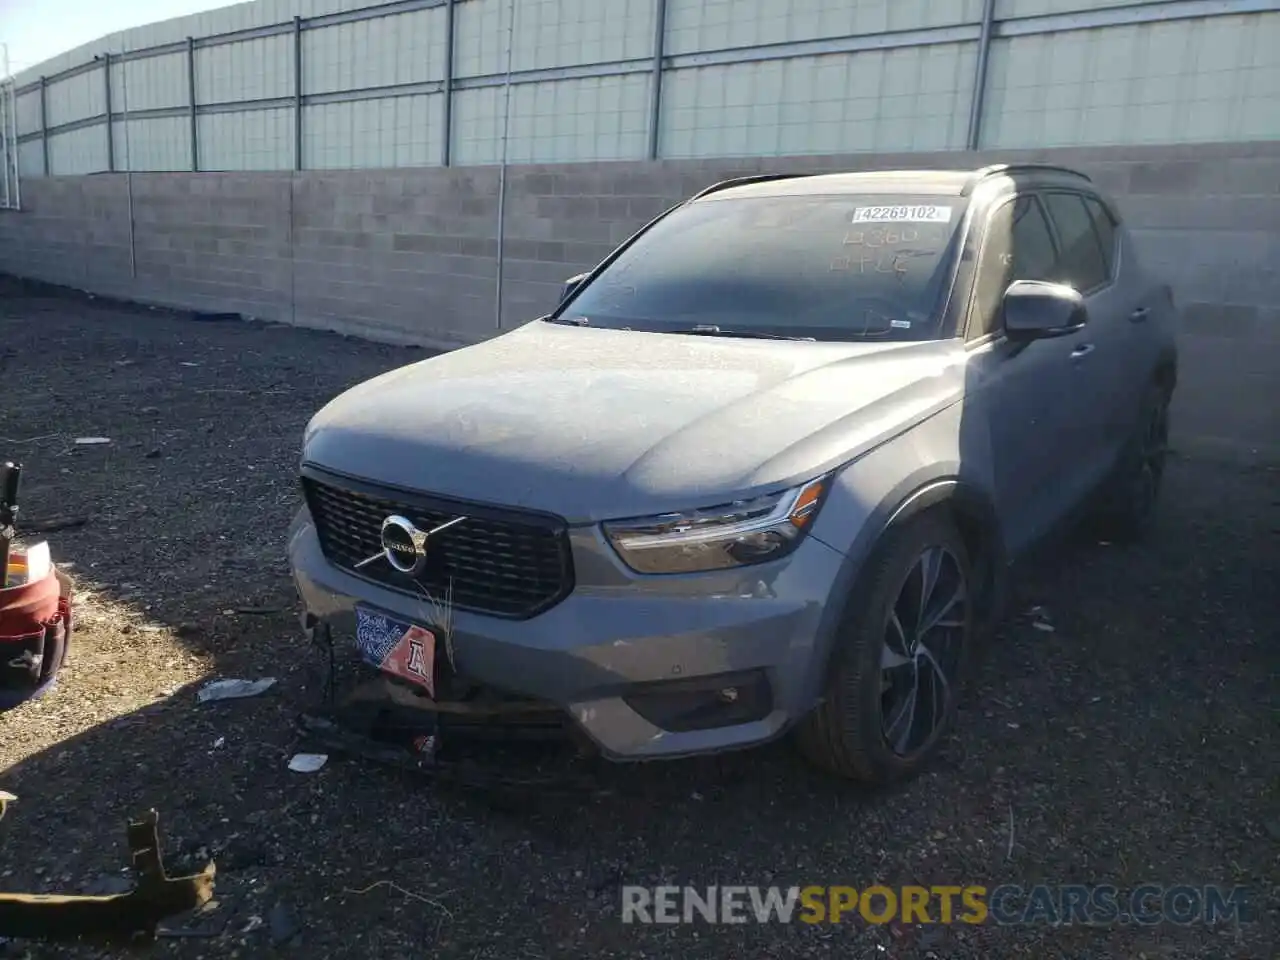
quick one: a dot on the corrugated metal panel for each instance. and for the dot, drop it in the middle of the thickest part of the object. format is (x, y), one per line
(31, 159)
(596, 118)
(561, 33)
(480, 45)
(154, 144)
(148, 84)
(1007, 9)
(77, 98)
(1186, 81)
(477, 125)
(696, 25)
(78, 151)
(252, 140)
(1259, 104)
(389, 132)
(249, 70)
(28, 113)
(906, 99)
(408, 48)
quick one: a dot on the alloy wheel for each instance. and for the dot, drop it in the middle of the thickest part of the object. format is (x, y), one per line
(924, 636)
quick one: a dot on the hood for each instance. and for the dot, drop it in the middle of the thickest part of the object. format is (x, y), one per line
(593, 424)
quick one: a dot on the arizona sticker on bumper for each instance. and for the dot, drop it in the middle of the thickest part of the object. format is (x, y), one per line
(401, 649)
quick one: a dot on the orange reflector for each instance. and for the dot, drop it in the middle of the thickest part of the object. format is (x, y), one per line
(807, 503)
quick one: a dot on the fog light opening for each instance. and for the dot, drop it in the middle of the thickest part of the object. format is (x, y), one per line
(703, 703)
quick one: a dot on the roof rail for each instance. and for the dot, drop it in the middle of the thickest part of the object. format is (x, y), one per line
(1012, 168)
(745, 181)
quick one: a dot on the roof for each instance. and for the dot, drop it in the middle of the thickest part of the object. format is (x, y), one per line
(930, 182)
(941, 183)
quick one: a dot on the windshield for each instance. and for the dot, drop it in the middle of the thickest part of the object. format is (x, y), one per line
(831, 267)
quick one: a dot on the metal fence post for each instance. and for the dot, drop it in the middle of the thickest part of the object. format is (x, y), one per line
(106, 93)
(502, 171)
(44, 124)
(655, 81)
(446, 152)
(128, 170)
(980, 75)
(191, 102)
(8, 106)
(297, 93)
(6, 148)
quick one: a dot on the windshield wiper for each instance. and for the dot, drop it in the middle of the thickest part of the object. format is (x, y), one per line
(711, 330)
(571, 321)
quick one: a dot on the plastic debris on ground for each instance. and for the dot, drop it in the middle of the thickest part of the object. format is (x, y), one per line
(1040, 619)
(234, 689)
(91, 441)
(308, 762)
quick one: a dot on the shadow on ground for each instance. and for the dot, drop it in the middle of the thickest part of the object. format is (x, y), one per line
(1134, 742)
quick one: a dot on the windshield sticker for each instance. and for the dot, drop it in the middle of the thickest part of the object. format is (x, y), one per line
(902, 214)
(900, 324)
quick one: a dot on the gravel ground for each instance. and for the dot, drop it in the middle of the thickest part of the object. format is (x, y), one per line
(1136, 741)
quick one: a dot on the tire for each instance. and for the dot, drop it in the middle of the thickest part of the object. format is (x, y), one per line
(853, 732)
(1128, 500)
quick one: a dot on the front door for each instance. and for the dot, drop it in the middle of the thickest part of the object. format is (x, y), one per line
(1023, 402)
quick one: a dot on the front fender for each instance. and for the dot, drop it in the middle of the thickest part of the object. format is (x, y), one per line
(892, 483)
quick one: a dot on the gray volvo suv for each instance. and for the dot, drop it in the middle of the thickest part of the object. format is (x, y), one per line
(763, 470)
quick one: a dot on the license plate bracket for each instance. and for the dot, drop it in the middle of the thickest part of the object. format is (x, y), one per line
(398, 647)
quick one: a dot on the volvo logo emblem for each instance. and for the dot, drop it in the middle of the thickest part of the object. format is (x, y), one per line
(404, 545)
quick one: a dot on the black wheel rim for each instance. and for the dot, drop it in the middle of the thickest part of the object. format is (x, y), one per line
(924, 636)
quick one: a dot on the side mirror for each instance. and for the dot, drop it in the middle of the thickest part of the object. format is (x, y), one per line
(1035, 310)
(571, 286)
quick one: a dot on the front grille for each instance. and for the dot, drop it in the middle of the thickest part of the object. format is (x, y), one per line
(508, 563)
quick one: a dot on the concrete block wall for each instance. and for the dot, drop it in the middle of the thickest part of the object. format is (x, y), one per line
(412, 255)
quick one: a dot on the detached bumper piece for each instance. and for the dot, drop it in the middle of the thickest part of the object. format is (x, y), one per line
(120, 919)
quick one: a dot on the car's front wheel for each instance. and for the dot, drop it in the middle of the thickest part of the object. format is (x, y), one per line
(902, 650)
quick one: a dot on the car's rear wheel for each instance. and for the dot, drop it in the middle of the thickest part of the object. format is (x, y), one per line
(1129, 499)
(900, 661)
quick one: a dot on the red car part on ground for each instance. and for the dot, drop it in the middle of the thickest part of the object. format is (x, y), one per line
(35, 631)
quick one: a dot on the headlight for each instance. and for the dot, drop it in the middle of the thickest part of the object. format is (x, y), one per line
(731, 535)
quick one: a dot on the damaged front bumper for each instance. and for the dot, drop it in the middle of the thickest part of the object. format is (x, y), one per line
(470, 735)
(644, 667)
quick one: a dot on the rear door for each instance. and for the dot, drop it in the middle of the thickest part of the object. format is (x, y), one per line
(1142, 300)
(1100, 362)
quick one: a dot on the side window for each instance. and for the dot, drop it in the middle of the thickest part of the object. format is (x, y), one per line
(1105, 224)
(1081, 264)
(1018, 246)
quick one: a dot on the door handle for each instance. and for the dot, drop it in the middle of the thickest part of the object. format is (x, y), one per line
(1140, 314)
(1082, 351)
